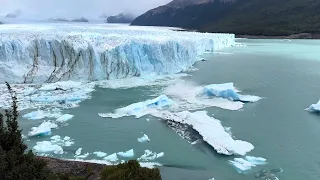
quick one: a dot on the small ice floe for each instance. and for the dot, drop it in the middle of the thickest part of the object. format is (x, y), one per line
(112, 157)
(228, 91)
(243, 165)
(47, 147)
(78, 152)
(141, 108)
(211, 179)
(43, 129)
(150, 156)
(210, 129)
(314, 108)
(127, 154)
(144, 138)
(100, 154)
(65, 118)
(66, 141)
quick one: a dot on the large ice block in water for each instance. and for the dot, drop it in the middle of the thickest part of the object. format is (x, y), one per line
(228, 91)
(54, 52)
(43, 129)
(47, 147)
(127, 154)
(210, 129)
(141, 108)
(314, 107)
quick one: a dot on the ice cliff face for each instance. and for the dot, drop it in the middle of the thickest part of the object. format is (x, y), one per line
(53, 52)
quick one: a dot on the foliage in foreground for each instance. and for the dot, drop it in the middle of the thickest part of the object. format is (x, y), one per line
(16, 164)
(130, 170)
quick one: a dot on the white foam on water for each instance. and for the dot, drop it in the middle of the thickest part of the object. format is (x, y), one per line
(141, 108)
(127, 154)
(211, 131)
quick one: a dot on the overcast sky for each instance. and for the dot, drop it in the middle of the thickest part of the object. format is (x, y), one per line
(77, 8)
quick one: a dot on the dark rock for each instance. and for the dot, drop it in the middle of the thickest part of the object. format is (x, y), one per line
(80, 20)
(121, 18)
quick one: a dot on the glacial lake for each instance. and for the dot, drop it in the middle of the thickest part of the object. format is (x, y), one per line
(285, 73)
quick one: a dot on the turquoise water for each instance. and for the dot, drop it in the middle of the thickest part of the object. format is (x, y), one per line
(285, 73)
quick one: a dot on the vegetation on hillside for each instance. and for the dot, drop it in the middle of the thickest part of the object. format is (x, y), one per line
(253, 17)
(17, 164)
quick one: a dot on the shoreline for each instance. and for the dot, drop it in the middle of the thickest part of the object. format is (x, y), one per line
(293, 36)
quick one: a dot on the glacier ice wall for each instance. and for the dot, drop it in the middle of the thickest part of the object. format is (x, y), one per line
(53, 52)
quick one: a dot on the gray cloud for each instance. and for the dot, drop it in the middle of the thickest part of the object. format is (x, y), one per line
(77, 8)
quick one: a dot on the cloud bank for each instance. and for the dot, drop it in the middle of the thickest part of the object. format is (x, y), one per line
(77, 8)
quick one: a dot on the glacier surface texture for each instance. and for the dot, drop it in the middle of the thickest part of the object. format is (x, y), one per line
(52, 52)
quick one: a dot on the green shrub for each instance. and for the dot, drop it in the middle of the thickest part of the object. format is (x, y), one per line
(130, 170)
(15, 164)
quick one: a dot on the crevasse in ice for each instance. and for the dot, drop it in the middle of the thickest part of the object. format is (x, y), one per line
(54, 52)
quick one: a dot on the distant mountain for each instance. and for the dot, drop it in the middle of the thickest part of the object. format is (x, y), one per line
(252, 17)
(58, 20)
(14, 14)
(80, 20)
(121, 18)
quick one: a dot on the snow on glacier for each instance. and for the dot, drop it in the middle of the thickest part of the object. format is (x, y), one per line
(228, 91)
(141, 108)
(43, 129)
(242, 165)
(211, 131)
(314, 108)
(54, 52)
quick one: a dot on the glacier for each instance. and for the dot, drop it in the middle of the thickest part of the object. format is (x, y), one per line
(37, 53)
(211, 131)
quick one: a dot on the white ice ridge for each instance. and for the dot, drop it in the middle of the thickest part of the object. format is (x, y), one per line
(314, 107)
(227, 91)
(52, 52)
(141, 108)
(211, 131)
(247, 163)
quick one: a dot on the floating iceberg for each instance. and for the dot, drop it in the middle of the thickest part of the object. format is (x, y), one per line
(82, 156)
(144, 138)
(78, 152)
(211, 131)
(100, 154)
(65, 118)
(34, 115)
(112, 157)
(42, 130)
(150, 165)
(314, 108)
(149, 156)
(228, 91)
(66, 141)
(141, 108)
(246, 164)
(53, 52)
(47, 147)
(126, 154)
